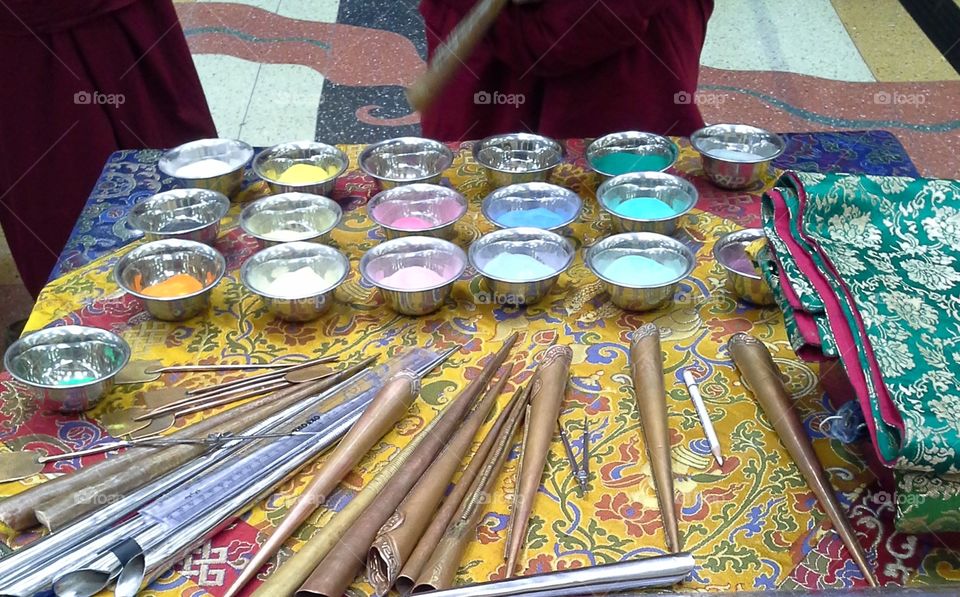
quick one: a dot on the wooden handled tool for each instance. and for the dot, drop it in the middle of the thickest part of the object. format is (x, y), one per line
(453, 53)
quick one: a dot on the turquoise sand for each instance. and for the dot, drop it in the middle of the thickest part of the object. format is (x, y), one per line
(644, 208)
(510, 266)
(538, 217)
(622, 162)
(636, 270)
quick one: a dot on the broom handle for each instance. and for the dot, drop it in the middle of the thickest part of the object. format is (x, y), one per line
(453, 53)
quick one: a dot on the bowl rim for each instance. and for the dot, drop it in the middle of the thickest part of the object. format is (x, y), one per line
(182, 244)
(691, 192)
(475, 246)
(674, 151)
(382, 196)
(136, 211)
(477, 145)
(259, 159)
(245, 147)
(369, 150)
(485, 203)
(425, 240)
(592, 252)
(23, 341)
(260, 203)
(702, 133)
(732, 237)
(303, 245)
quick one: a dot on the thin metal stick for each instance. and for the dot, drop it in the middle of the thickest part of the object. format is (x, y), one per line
(574, 467)
(260, 376)
(703, 415)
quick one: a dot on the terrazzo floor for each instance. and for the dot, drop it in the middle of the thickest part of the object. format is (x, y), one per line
(276, 70)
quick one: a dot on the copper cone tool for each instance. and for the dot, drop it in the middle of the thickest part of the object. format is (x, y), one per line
(761, 373)
(646, 369)
(547, 389)
(427, 543)
(440, 571)
(398, 536)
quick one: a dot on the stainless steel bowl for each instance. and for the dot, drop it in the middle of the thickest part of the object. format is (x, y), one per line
(637, 296)
(517, 158)
(442, 206)
(188, 214)
(729, 253)
(303, 303)
(405, 160)
(235, 155)
(290, 217)
(676, 192)
(520, 287)
(386, 259)
(273, 161)
(154, 262)
(72, 365)
(532, 195)
(642, 145)
(736, 156)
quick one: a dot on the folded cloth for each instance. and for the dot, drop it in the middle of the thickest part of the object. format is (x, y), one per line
(881, 256)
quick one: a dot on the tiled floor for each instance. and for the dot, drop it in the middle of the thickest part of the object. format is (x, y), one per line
(276, 70)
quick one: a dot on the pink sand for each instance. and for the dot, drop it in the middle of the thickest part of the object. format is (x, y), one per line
(413, 278)
(411, 223)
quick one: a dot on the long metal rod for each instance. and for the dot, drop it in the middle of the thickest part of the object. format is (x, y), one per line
(276, 374)
(659, 571)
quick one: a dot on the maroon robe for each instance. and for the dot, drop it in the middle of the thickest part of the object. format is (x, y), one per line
(581, 69)
(56, 132)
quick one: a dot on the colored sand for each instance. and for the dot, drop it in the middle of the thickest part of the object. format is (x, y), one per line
(413, 278)
(411, 223)
(744, 265)
(206, 168)
(644, 208)
(538, 217)
(638, 270)
(302, 174)
(175, 285)
(311, 223)
(510, 266)
(734, 156)
(304, 281)
(76, 381)
(622, 162)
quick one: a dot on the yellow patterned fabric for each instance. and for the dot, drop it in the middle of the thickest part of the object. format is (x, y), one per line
(748, 524)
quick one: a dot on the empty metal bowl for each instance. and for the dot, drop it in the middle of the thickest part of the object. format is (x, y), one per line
(271, 163)
(742, 278)
(640, 293)
(532, 204)
(520, 265)
(405, 160)
(188, 214)
(157, 261)
(674, 191)
(516, 158)
(630, 151)
(213, 164)
(272, 274)
(290, 217)
(418, 210)
(73, 365)
(736, 156)
(389, 258)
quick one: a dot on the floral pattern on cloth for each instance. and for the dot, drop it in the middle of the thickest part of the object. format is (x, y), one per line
(890, 245)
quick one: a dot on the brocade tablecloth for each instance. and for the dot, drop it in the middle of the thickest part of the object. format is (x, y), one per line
(752, 524)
